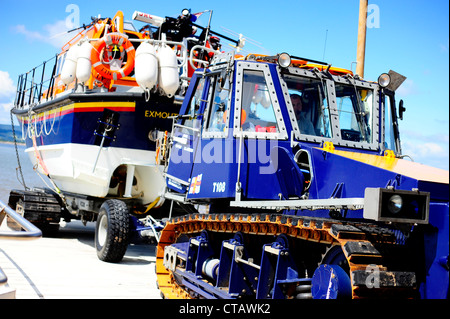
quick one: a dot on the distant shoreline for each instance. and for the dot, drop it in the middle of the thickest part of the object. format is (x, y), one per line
(12, 143)
(7, 135)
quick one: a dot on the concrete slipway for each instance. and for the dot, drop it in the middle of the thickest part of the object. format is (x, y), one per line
(66, 267)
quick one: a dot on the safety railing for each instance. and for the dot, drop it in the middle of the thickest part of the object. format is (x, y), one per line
(40, 83)
(200, 63)
(30, 232)
(32, 85)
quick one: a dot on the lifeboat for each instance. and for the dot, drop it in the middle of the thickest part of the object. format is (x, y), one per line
(92, 118)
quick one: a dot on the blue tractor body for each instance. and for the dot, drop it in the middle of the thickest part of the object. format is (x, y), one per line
(288, 210)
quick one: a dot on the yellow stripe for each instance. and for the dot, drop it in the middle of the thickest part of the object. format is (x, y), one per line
(404, 167)
(84, 105)
(105, 104)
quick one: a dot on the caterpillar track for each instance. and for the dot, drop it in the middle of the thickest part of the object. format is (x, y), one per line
(359, 248)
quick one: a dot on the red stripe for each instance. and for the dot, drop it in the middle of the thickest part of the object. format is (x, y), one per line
(81, 110)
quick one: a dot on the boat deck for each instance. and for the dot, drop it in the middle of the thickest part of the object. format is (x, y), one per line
(66, 267)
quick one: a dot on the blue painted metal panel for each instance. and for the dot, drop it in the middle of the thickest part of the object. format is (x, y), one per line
(331, 169)
(436, 243)
(134, 126)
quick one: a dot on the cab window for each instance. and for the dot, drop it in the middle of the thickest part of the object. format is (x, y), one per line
(257, 113)
(389, 132)
(354, 106)
(308, 98)
(218, 101)
(191, 117)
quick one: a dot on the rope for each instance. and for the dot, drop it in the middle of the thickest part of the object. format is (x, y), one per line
(44, 168)
(19, 168)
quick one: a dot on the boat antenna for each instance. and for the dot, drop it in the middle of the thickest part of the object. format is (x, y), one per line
(209, 31)
(76, 29)
(208, 28)
(325, 45)
(243, 40)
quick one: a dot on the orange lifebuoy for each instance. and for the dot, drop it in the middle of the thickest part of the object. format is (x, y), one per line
(113, 39)
(97, 76)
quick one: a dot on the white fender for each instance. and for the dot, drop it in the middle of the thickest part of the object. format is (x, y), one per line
(146, 66)
(69, 68)
(84, 64)
(169, 78)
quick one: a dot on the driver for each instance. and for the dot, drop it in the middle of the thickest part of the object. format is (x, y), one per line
(305, 125)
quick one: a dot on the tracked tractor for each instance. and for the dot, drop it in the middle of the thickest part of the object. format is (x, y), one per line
(297, 187)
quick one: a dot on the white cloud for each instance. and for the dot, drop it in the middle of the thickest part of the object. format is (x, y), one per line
(7, 87)
(6, 106)
(431, 149)
(54, 34)
(30, 35)
(408, 87)
(5, 109)
(428, 150)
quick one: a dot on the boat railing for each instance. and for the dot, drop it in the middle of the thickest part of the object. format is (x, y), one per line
(32, 84)
(40, 83)
(200, 63)
(29, 232)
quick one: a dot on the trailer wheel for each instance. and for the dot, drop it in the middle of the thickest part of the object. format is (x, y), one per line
(112, 232)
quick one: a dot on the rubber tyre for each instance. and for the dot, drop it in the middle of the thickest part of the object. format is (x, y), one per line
(112, 231)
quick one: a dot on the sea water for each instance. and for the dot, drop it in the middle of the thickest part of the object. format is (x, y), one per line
(9, 173)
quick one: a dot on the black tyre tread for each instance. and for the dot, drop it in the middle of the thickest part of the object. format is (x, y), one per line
(118, 234)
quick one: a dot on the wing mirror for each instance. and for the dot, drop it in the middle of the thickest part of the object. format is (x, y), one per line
(401, 110)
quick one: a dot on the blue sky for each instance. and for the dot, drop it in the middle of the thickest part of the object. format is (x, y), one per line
(410, 37)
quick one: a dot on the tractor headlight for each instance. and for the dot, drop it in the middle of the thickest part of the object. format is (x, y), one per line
(384, 80)
(284, 60)
(397, 206)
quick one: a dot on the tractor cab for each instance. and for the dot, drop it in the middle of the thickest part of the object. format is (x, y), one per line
(255, 128)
